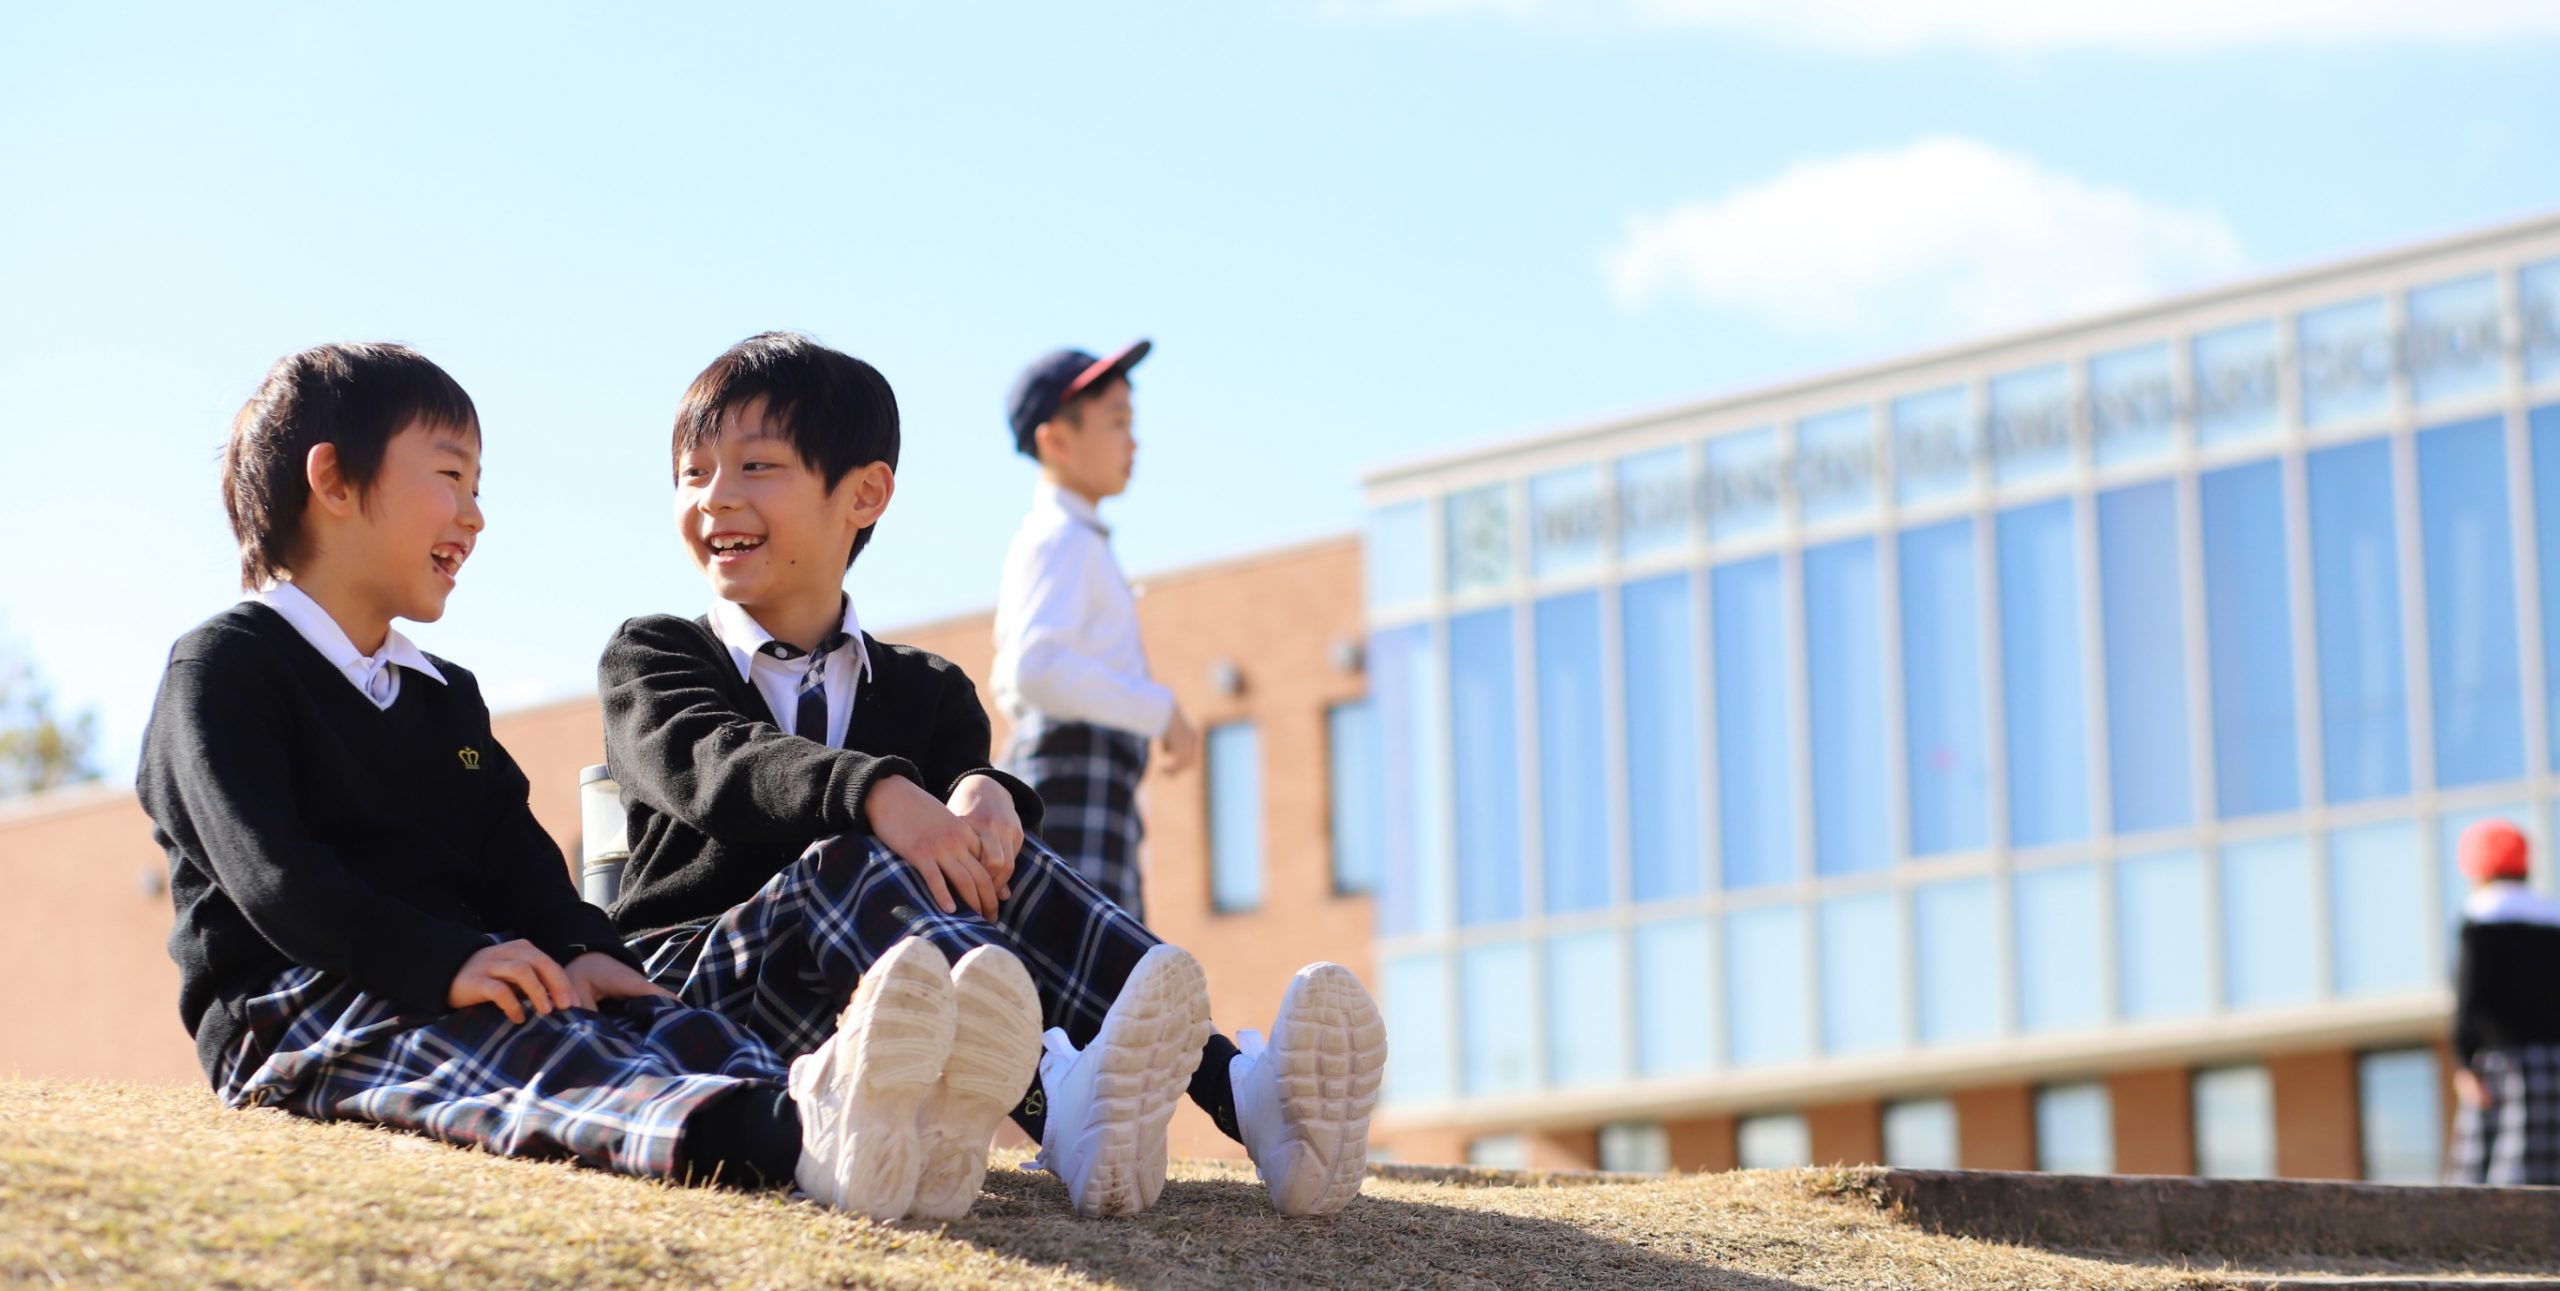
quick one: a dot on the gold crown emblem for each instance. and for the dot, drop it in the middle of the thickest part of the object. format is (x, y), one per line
(470, 758)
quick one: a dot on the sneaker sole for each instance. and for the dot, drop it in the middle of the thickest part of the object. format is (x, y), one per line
(1148, 1047)
(889, 1046)
(995, 1049)
(1331, 1047)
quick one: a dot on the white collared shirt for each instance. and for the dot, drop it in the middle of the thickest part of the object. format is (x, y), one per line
(778, 680)
(375, 675)
(1067, 643)
(2508, 901)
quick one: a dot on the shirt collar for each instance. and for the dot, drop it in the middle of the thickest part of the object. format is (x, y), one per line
(1048, 493)
(739, 631)
(296, 607)
(2507, 901)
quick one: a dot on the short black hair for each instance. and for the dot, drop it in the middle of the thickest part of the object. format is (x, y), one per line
(353, 395)
(1072, 411)
(836, 411)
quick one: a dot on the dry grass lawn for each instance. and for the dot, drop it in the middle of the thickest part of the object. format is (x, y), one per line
(120, 1185)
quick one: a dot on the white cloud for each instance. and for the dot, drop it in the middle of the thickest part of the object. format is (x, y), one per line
(1948, 235)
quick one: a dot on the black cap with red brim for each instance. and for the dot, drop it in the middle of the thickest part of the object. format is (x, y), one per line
(1058, 376)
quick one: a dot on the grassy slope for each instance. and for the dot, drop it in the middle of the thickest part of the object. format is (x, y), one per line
(152, 1186)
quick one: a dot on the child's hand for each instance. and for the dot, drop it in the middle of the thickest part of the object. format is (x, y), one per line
(502, 973)
(597, 977)
(988, 807)
(1179, 745)
(943, 847)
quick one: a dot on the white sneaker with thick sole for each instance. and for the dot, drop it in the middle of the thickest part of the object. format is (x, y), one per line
(1109, 1103)
(995, 1048)
(858, 1092)
(1303, 1098)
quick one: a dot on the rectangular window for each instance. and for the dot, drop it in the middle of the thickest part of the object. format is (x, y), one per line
(2377, 887)
(2249, 628)
(2355, 587)
(1861, 962)
(2539, 292)
(2545, 423)
(1932, 446)
(2144, 620)
(2345, 356)
(1499, 1151)
(2452, 342)
(1234, 756)
(2075, 1129)
(1836, 465)
(1754, 747)
(1573, 755)
(2235, 1111)
(2060, 982)
(1568, 521)
(2399, 1119)
(2160, 936)
(1479, 538)
(1674, 990)
(1405, 680)
(2473, 676)
(1397, 554)
(1959, 961)
(2235, 374)
(1586, 1009)
(1421, 1067)
(2267, 924)
(1485, 761)
(1653, 503)
(1635, 1147)
(1494, 1013)
(1764, 990)
(1664, 833)
(1355, 791)
(2133, 405)
(1920, 1134)
(1944, 731)
(1743, 487)
(2040, 655)
(1778, 1141)
(1844, 686)
(2030, 425)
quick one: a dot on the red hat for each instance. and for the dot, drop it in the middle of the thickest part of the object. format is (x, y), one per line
(2493, 849)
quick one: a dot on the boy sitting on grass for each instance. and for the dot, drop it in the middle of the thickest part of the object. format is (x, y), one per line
(786, 774)
(370, 923)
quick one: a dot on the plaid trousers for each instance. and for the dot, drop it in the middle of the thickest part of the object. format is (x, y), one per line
(612, 1088)
(2516, 1138)
(1087, 778)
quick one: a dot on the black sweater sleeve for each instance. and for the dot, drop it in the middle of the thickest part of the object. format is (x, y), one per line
(960, 739)
(677, 742)
(2466, 996)
(522, 881)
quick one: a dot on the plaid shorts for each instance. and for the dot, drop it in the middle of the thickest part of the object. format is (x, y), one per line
(2516, 1138)
(1087, 778)
(612, 1088)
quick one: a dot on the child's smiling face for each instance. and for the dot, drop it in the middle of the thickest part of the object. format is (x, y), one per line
(760, 523)
(419, 520)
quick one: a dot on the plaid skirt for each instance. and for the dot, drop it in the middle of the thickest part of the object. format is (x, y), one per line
(2516, 1138)
(1087, 778)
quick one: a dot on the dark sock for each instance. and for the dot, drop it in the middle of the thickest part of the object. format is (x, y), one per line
(1210, 1089)
(747, 1138)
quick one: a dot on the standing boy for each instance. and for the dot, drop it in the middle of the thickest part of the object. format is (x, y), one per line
(1070, 670)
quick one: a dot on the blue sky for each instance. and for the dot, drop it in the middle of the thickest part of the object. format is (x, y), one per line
(1359, 233)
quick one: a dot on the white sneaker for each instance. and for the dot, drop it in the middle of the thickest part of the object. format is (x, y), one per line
(1303, 1099)
(995, 1047)
(1108, 1105)
(858, 1092)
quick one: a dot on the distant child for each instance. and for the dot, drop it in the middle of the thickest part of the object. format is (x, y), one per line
(2506, 1018)
(1070, 670)
(371, 926)
(787, 775)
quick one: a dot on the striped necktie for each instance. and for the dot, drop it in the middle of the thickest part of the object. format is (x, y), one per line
(810, 723)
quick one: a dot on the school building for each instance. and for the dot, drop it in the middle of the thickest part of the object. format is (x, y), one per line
(2040, 754)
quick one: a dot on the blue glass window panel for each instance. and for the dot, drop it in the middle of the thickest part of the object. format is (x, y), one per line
(2160, 937)
(2075, 1129)
(2355, 581)
(1405, 681)
(2267, 924)
(2061, 983)
(1664, 831)
(1654, 492)
(1920, 1134)
(1421, 1064)
(2235, 1120)
(2144, 617)
(2544, 427)
(1573, 755)
(1779, 1141)
(2400, 1117)
(1356, 791)
(2030, 424)
(2452, 347)
(1959, 961)
(2452, 887)
(2474, 679)
(2133, 405)
(2540, 298)
(1397, 552)
(1743, 487)
(2040, 651)
(1485, 760)
(1494, 984)
(1754, 744)
(1861, 966)
(1844, 687)
(1932, 446)
(2377, 887)
(2236, 371)
(2249, 631)
(1479, 538)
(1836, 465)
(1674, 986)
(1764, 987)
(2344, 354)
(1944, 733)
(1568, 520)
(1234, 757)
(1586, 1009)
